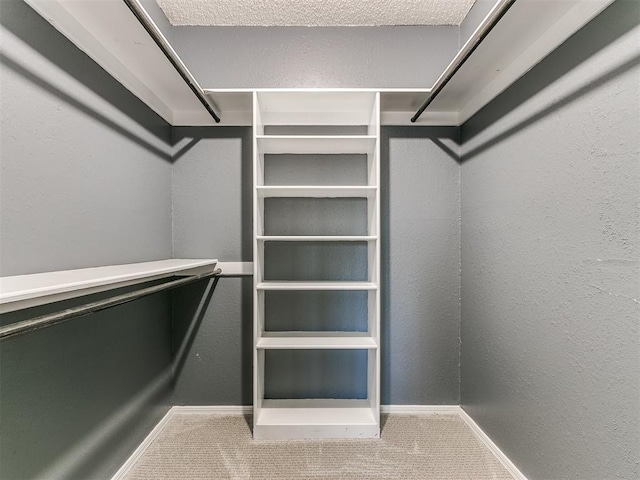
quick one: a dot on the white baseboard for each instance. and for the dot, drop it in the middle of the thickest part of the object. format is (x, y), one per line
(486, 440)
(419, 409)
(138, 452)
(213, 409)
(394, 409)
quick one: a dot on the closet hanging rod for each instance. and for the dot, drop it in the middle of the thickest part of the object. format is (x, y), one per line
(490, 21)
(50, 319)
(154, 32)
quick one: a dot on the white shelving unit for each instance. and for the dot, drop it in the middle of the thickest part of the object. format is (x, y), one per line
(317, 417)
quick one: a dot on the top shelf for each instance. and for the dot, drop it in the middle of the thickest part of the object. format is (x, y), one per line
(316, 107)
(24, 291)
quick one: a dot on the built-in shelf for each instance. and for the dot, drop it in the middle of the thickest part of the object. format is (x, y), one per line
(23, 291)
(308, 144)
(290, 285)
(316, 238)
(316, 191)
(313, 418)
(293, 111)
(316, 340)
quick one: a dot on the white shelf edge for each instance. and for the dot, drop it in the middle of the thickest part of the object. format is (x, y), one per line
(24, 291)
(316, 238)
(359, 286)
(342, 191)
(316, 340)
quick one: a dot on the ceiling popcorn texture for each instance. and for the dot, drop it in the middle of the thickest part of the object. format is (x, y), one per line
(315, 13)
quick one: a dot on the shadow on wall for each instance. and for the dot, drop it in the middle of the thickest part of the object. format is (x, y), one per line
(582, 45)
(447, 140)
(27, 25)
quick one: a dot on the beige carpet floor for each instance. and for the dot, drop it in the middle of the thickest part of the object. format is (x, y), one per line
(205, 446)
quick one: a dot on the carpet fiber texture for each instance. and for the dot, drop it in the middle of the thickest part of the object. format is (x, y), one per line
(209, 446)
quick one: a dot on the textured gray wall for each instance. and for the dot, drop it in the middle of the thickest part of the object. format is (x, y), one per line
(85, 181)
(85, 178)
(272, 57)
(551, 259)
(212, 218)
(420, 225)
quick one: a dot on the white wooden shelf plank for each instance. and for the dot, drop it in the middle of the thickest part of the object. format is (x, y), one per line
(317, 191)
(317, 238)
(316, 340)
(22, 291)
(316, 412)
(313, 144)
(290, 285)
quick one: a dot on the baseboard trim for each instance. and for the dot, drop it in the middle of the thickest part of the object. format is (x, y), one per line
(212, 409)
(486, 440)
(138, 452)
(394, 409)
(420, 409)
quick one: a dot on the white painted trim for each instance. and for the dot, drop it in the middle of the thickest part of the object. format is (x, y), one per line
(236, 269)
(138, 452)
(420, 409)
(212, 409)
(486, 440)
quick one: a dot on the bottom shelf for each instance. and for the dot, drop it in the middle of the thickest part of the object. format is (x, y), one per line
(316, 418)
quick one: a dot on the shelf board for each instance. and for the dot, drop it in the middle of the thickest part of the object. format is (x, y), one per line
(272, 285)
(316, 107)
(315, 418)
(316, 144)
(316, 340)
(24, 291)
(316, 191)
(317, 238)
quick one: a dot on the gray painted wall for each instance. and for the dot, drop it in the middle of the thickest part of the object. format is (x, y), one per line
(551, 260)
(272, 57)
(420, 224)
(85, 180)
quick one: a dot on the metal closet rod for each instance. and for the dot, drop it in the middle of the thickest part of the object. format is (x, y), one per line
(50, 319)
(157, 36)
(490, 21)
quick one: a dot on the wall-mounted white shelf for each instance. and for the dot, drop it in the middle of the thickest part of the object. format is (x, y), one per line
(306, 144)
(316, 340)
(24, 291)
(316, 238)
(316, 191)
(290, 285)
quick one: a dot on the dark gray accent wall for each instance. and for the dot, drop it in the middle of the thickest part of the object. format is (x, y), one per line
(322, 57)
(420, 257)
(85, 180)
(551, 262)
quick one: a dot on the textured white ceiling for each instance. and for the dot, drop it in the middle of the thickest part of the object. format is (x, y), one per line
(315, 13)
